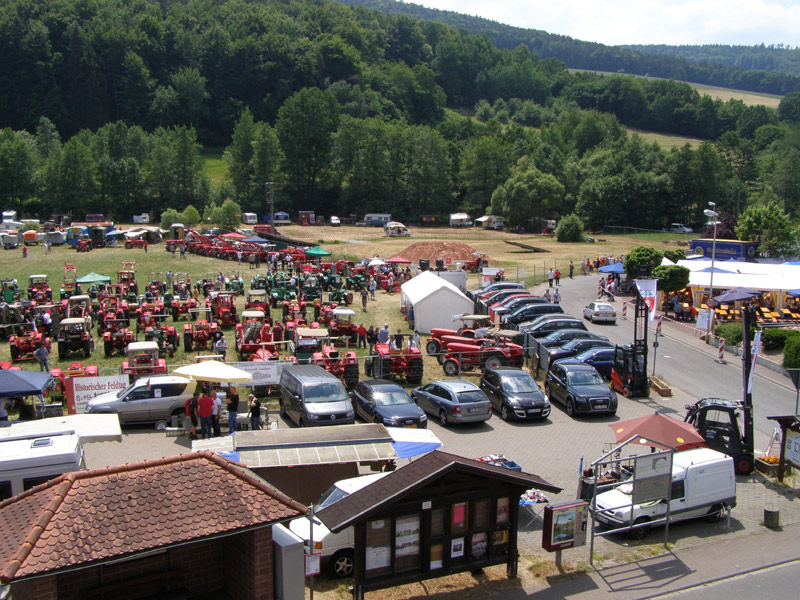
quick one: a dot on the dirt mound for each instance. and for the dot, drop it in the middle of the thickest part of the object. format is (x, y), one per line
(458, 251)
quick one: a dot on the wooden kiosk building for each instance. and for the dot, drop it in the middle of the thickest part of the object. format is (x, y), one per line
(439, 515)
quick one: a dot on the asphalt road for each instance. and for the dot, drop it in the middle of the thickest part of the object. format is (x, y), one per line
(689, 365)
(775, 582)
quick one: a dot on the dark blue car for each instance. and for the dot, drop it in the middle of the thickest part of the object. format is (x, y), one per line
(602, 359)
(382, 401)
(574, 347)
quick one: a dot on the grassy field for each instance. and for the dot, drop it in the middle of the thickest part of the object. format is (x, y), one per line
(350, 242)
(667, 142)
(214, 167)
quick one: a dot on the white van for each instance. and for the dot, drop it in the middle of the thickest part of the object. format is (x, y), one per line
(336, 549)
(382, 217)
(703, 485)
(28, 461)
(460, 220)
(249, 218)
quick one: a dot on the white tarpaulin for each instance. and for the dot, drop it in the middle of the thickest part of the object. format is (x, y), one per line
(215, 371)
(434, 301)
(90, 428)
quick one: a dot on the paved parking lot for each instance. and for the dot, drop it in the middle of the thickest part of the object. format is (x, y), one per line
(552, 449)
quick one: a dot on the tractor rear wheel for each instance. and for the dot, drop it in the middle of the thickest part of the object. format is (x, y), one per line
(415, 371)
(87, 348)
(351, 376)
(451, 367)
(108, 347)
(175, 341)
(188, 342)
(494, 361)
(14, 353)
(128, 245)
(62, 350)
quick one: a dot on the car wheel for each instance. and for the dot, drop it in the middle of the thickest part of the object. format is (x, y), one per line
(570, 408)
(341, 565)
(640, 532)
(281, 410)
(504, 414)
(443, 419)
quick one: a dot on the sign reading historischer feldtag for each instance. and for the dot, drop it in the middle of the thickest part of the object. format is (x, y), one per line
(79, 390)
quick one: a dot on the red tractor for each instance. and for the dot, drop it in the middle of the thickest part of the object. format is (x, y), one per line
(23, 344)
(76, 369)
(476, 263)
(294, 310)
(223, 308)
(339, 321)
(257, 300)
(126, 281)
(116, 336)
(137, 242)
(112, 309)
(387, 363)
(469, 323)
(83, 244)
(38, 289)
(143, 360)
(200, 331)
(183, 307)
(253, 334)
(487, 354)
(342, 365)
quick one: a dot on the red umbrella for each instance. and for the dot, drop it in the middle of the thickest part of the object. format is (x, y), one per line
(658, 431)
(398, 260)
(234, 235)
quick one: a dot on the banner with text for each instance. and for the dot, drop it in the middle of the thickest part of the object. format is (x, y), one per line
(79, 390)
(264, 373)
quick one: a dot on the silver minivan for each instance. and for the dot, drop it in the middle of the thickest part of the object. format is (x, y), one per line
(312, 396)
(146, 400)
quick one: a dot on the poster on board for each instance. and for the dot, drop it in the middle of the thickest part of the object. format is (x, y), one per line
(79, 390)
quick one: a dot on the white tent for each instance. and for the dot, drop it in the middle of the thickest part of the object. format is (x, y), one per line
(434, 301)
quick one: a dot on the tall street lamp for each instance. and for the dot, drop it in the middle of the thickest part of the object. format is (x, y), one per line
(713, 215)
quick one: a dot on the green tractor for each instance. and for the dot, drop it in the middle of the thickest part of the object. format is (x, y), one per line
(357, 281)
(332, 281)
(311, 289)
(340, 296)
(279, 294)
(259, 282)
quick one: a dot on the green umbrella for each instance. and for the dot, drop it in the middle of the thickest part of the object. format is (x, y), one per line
(317, 251)
(93, 278)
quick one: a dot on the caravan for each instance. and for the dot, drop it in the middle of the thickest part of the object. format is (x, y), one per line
(377, 219)
(492, 222)
(249, 218)
(28, 461)
(460, 220)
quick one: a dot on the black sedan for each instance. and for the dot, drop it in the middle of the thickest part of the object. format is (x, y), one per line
(580, 389)
(574, 347)
(382, 401)
(601, 359)
(514, 394)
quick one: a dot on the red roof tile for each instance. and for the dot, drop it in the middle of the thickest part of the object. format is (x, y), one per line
(96, 515)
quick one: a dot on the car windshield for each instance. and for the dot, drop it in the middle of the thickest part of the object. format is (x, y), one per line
(471, 396)
(326, 392)
(604, 307)
(585, 378)
(519, 384)
(391, 397)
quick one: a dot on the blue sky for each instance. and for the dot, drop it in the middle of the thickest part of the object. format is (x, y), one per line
(674, 22)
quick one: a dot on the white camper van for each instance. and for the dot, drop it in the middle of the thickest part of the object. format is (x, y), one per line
(460, 220)
(27, 461)
(703, 485)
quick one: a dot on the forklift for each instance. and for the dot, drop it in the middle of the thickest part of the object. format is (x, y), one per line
(629, 373)
(717, 419)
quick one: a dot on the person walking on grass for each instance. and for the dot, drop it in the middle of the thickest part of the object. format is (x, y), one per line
(364, 298)
(550, 277)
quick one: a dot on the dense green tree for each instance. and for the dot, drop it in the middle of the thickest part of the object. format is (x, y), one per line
(527, 194)
(16, 167)
(671, 278)
(170, 216)
(641, 261)
(485, 165)
(789, 108)
(239, 154)
(569, 229)
(229, 214)
(190, 87)
(767, 224)
(190, 216)
(264, 165)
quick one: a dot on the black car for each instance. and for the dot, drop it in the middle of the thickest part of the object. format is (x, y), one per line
(529, 312)
(580, 389)
(498, 285)
(559, 337)
(574, 347)
(514, 394)
(382, 401)
(514, 303)
(484, 302)
(601, 359)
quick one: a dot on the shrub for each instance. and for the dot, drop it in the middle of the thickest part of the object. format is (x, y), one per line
(570, 229)
(791, 353)
(774, 339)
(732, 332)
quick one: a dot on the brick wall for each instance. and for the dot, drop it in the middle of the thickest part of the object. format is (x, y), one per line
(44, 588)
(248, 564)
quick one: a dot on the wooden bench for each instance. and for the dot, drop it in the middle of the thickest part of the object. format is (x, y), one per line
(165, 585)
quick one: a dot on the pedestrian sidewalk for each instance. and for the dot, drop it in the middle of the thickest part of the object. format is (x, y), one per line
(679, 570)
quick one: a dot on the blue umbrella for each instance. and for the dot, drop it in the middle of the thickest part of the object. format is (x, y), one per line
(793, 292)
(716, 270)
(617, 267)
(737, 294)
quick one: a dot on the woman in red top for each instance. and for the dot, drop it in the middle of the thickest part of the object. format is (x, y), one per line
(205, 408)
(362, 336)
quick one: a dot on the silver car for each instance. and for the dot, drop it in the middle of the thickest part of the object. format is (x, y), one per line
(453, 401)
(146, 400)
(600, 312)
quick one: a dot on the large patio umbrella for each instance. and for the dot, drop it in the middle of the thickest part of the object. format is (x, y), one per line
(317, 252)
(234, 235)
(398, 260)
(737, 294)
(214, 371)
(616, 267)
(256, 239)
(658, 431)
(93, 278)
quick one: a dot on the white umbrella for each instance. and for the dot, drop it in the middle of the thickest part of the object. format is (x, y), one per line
(376, 262)
(215, 371)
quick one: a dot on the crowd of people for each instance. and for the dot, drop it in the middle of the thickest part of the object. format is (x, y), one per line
(204, 410)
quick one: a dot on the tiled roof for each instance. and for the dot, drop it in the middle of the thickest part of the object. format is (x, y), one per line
(87, 516)
(419, 472)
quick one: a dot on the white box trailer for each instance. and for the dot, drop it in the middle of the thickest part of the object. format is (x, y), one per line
(141, 219)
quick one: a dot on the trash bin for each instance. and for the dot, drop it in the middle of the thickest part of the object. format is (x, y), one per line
(424, 264)
(440, 264)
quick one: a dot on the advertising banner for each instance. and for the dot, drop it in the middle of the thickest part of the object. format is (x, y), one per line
(264, 373)
(647, 289)
(792, 448)
(79, 390)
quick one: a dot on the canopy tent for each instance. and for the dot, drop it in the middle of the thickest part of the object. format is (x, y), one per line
(737, 294)
(17, 384)
(316, 251)
(398, 260)
(114, 233)
(616, 267)
(376, 262)
(658, 431)
(433, 300)
(93, 278)
(793, 292)
(214, 371)
(413, 442)
(665, 262)
(256, 239)
(716, 270)
(234, 235)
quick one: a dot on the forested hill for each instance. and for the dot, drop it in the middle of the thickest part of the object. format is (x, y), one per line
(577, 54)
(779, 57)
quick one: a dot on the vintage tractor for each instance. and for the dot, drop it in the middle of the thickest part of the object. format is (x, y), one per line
(467, 330)
(116, 336)
(311, 289)
(340, 296)
(257, 300)
(343, 365)
(27, 339)
(38, 289)
(339, 321)
(83, 244)
(293, 310)
(60, 376)
(135, 242)
(487, 354)
(357, 281)
(165, 336)
(9, 291)
(476, 263)
(112, 309)
(279, 295)
(12, 319)
(156, 284)
(223, 308)
(183, 307)
(126, 280)
(181, 285)
(307, 341)
(254, 333)
(143, 360)
(74, 335)
(259, 282)
(69, 287)
(387, 363)
(79, 306)
(200, 331)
